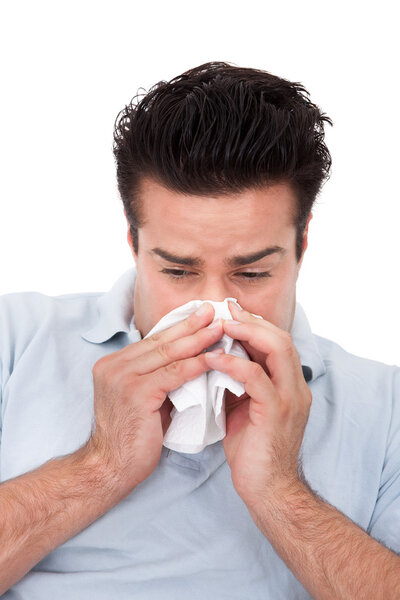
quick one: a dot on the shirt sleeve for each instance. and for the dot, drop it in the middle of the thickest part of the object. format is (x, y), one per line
(385, 521)
(5, 352)
(1, 400)
(2, 323)
(1, 379)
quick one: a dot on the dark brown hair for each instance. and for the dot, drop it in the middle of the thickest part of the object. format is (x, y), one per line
(220, 129)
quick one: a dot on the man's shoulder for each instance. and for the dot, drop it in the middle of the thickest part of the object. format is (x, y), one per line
(33, 297)
(20, 302)
(353, 372)
(22, 313)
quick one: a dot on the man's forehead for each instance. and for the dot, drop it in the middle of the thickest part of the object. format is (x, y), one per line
(168, 215)
(150, 190)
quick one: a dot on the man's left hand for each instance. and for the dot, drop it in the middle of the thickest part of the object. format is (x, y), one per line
(265, 426)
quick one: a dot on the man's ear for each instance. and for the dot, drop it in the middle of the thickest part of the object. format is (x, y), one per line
(305, 243)
(129, 238)
(130, 243)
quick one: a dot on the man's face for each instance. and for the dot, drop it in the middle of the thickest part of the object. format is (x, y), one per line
(213, 232)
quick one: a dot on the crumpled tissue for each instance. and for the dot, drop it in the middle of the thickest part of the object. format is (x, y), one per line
(198, 416)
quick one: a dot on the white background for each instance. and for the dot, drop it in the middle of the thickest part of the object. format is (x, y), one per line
(69, 67)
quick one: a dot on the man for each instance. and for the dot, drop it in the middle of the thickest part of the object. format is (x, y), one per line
(218, 170)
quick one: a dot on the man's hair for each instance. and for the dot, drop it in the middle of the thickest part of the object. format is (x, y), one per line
(219, 129)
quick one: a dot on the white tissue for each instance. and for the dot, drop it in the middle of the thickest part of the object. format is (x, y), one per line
(198, 416)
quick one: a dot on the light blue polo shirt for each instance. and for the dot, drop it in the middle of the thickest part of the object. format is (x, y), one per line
(183, 533)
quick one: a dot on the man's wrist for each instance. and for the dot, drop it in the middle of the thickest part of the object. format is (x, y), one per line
(286, 508)
(284, 492)
(97, 455)
(99, 469)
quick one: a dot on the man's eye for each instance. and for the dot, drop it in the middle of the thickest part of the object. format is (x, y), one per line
(176, 273)
(251, 275)
(181, 274)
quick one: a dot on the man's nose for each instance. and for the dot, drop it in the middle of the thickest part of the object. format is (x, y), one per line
(215, 290)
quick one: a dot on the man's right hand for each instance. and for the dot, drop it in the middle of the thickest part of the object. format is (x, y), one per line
(41, 509)
(132, 411)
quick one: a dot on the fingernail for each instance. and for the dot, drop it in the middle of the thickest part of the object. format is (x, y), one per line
(232, 322)
(215, 353)
(202, 310)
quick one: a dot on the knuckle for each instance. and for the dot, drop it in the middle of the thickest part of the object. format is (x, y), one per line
(164, 351)
(257, 370)
(156, 337)
(190, 322)
(100, 365)
(308, 398)
(173, 368)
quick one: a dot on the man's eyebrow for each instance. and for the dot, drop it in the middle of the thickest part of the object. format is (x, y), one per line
(233, 261)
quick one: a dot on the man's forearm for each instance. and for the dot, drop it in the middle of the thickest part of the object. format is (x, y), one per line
(43, 508)
(332, 557)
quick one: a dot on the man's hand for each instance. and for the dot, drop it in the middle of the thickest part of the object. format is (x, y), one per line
(329, 554)
(265, 426)
(131, 407)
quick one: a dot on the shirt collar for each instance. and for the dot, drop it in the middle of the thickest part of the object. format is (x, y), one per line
(115, 311)
(115, 314)
(306, 345)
